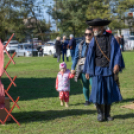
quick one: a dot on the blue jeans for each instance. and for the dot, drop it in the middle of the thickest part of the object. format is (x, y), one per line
(58, 57)
(63, 54)
(121, 46)
(72, 52)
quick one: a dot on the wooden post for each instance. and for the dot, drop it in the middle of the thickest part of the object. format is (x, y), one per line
(3, 113)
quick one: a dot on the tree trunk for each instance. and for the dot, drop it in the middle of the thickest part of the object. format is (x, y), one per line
(74, 31)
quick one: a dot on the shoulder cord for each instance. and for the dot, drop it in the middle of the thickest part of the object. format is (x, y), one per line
(101, 50)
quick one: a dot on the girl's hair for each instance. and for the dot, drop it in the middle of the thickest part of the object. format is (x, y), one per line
(90, 29)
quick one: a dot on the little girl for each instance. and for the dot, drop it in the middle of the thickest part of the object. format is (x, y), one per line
(63, 83)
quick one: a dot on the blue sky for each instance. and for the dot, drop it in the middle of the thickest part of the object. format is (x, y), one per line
(41, 7)
(46, 16)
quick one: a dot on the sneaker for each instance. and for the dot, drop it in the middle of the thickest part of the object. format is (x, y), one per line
(87, 103)
(109, 118)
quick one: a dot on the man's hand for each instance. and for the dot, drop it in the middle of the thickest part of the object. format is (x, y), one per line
(71, 47)
(72, 71)
(87, 76)
(68, 46)
(116, 69)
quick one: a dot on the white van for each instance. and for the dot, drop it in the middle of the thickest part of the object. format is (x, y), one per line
(129, 43)
(26, 50)
(12, 46)
(49, 49)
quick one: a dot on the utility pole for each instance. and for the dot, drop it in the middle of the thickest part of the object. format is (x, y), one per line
(49, 17)
(56, 17)
(49, 20)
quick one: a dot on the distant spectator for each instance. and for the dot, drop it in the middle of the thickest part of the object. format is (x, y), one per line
(122, 42)
(118, 39)
(39, 48)
(64, 48)
(58, 46)
(116, 76)
(72, 46)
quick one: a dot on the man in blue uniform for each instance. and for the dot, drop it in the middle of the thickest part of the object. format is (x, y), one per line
(103, 60)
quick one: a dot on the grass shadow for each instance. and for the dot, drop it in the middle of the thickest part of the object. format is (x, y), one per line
(125, 116)
(127, 100)
(34, 88)
(34, 116)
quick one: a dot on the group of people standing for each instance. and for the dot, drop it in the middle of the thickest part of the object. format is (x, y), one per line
(97, 60)
(65, 47)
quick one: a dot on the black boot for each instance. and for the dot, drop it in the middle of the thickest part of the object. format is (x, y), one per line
(107, 113)
(67, 58)
(86, 103)
(101, 112)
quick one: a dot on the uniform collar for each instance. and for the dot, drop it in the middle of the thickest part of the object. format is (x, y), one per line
(104, 33)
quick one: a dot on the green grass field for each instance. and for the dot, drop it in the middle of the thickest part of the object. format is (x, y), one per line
(40, 111)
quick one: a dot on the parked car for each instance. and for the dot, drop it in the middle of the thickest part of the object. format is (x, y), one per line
(49, 49)
(26, 50)
(129, 43)
(51, 41)
(12, 46)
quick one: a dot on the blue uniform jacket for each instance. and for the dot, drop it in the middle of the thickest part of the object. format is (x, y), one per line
(115, 59)
(76, 57)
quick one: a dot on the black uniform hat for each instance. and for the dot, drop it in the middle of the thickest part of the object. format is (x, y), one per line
(98, 22)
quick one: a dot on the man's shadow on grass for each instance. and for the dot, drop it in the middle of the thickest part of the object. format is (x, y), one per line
(125, 116)
(128, 100)
(48, 115)
(34, 88)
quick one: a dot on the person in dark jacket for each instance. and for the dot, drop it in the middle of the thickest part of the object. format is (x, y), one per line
(58, 46)
(122, 42)
(64, 48)
(72, 46)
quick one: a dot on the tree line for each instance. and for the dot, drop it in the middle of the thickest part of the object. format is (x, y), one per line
(25, 17)
(22, 17)
(70, 15)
